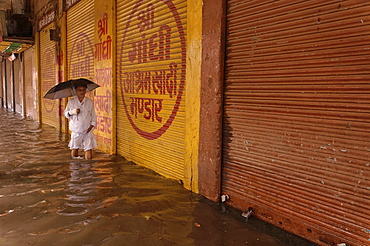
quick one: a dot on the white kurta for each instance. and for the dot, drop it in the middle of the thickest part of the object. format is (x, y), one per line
(79, 123)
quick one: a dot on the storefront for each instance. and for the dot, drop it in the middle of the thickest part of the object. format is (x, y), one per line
(48, 72)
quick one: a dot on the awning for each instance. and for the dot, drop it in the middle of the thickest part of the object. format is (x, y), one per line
(8, 46)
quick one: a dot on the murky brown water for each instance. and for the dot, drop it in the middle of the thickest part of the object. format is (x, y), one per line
(48, 199)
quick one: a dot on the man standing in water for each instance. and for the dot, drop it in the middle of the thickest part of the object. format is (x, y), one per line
(82, 120)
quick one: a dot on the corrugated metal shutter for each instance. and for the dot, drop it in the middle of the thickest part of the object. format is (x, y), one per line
(296, 116)
(80, 39)
(2, 96)
(9, 85)
(4, 84)
(30, 84)
(18, 86)
(151, 56)
(49, 108)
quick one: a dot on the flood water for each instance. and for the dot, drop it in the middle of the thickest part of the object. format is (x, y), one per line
(48, 199)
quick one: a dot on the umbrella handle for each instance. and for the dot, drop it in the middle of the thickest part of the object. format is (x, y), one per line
(73, 89)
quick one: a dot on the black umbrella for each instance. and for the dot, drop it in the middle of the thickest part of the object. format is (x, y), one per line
(67, 88)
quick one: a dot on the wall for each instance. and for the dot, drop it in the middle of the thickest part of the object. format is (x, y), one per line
(210, 144)
(104, 69)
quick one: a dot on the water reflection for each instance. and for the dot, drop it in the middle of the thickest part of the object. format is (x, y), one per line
(47, 199)
(80, 192)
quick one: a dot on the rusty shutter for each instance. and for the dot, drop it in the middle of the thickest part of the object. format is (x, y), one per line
(49, 108)
(30, 84)
(80, 38)
(296, 116)
(151, 56)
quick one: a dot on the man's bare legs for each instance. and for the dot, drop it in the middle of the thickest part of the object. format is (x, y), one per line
(88, 154)
(74, 153)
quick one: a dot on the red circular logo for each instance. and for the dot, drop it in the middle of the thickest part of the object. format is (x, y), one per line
(81, 60)
(153, 62)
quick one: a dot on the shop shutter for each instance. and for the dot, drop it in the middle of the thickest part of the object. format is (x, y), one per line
(296, 116)
(2, 96)
(49, 108)
(30, 84)
(80, 39)
(9, 85)
(18, 86)
(151, 57)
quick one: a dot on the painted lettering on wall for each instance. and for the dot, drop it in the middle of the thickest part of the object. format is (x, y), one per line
(103, 49)
(103, 140)
(162, 82)
(81, 59)
(148, 107)
(70, 3)
(46, 19)
(103, 76)
(153, 61)
(103, 102)
(104, 124)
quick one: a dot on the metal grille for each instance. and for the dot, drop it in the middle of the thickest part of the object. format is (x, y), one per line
(296, 116)
(80, 40)
(151, 56)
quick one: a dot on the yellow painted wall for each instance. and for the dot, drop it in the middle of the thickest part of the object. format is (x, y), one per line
(62, 61)
(104, 69)
(193, 83)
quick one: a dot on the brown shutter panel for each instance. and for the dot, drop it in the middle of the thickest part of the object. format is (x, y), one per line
(296, 116)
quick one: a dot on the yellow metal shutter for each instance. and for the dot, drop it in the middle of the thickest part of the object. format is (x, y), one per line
(80, 39)
(49, 108)
(151, 57)
(30, 84)
(296, 116)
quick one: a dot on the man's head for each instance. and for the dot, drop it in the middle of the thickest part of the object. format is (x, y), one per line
(81, 91)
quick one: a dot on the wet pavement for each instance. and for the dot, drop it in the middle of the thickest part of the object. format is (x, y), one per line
(48, 199)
